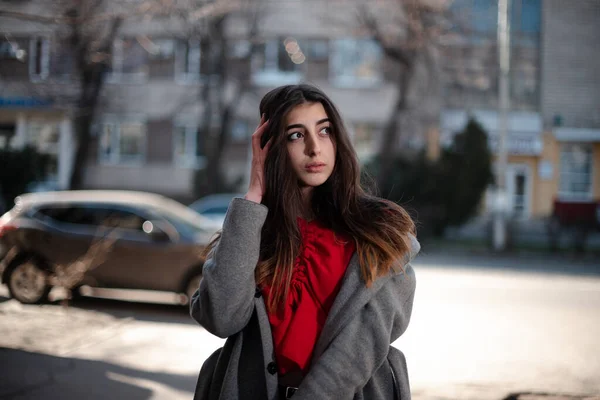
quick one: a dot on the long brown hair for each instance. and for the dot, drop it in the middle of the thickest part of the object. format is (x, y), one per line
(379, 227)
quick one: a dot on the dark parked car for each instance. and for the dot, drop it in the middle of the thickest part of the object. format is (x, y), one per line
(118, 239)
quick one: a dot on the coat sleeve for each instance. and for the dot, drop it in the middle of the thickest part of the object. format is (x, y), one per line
(223, 303)
(363, 344)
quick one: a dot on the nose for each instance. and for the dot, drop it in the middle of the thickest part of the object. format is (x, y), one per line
(312, 146)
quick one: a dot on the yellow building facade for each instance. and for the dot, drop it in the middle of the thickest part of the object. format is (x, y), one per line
(546, 177)
(543, 164)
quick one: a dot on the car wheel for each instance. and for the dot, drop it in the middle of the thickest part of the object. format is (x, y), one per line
(192, 286)
(76, 293)
(28, 283)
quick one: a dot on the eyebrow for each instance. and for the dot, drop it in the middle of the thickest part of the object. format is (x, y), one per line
(319, 122)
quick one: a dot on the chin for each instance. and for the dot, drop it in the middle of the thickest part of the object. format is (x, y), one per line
(314, 180)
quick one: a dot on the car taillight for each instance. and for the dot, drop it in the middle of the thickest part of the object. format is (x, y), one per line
(6, 228)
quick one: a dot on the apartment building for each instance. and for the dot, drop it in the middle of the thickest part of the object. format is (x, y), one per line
(145, 135)
(553, 125)
(146, 130)
(570, 102)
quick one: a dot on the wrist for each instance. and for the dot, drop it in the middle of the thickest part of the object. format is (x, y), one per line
(257, 198)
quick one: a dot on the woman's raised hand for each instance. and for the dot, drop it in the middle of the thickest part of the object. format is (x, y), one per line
(256, 189)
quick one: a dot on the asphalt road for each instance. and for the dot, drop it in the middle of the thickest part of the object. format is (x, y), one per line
(481, 329)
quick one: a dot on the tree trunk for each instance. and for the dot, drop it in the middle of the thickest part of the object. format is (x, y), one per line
(391, 132)
(209, 178)
(82, 128)
(92, 79)
(90, 92)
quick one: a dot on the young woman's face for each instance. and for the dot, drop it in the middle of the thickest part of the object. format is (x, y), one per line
(310, 143)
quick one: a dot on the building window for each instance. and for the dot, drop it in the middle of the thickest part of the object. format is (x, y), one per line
(129, 61)
(161, 49)
(576, 171)
(187, 61)
(39, 58)
(188, 145)
(278, 62)
(356, 62)
(318, 50)
(480, 17)
(240, 131)
(470, 61)
(44, 136)
(10, 50)
(122, 142)
(526, 16)
(239, 49)
(484, 16)
(62, 61)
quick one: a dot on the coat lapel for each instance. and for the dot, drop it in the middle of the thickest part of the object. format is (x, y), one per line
(354, 295)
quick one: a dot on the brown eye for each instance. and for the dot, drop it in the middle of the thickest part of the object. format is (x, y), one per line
(294, 136)
(325, 131)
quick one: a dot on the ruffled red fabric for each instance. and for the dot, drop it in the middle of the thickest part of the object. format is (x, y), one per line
(316, 280)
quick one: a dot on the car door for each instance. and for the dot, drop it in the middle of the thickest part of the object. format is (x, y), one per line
(66, 236)
(174, 262)
(139, 256)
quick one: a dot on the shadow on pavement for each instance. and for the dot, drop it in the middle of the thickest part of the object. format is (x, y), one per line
(149, 312)
(35, 376)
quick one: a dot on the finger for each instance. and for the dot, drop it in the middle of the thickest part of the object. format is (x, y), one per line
(257, 135)
(268, 146)
(261, 126)
(262, 120)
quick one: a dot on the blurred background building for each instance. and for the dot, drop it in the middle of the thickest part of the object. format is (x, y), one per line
(146, 131)
(554, 123)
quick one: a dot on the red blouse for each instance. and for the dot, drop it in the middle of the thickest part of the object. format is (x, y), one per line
(316, 280)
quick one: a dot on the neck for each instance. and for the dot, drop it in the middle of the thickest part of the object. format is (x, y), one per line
(307, 193)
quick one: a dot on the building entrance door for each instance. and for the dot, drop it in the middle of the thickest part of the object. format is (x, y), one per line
(518, 189)
(7, 131)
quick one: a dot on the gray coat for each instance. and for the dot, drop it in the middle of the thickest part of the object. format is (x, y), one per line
(352, 359)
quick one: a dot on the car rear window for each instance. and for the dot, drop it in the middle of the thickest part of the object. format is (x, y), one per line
(215, 210)
(93, 216)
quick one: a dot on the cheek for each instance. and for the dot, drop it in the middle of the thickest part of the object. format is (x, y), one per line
(295, 154)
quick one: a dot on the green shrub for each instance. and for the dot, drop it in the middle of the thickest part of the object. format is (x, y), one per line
(445, 192)
(18, 169)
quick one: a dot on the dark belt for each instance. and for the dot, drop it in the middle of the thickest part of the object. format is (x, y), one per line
(286, 392)
(289, 383)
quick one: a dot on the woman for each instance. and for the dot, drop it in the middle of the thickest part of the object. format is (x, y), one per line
(310, 278)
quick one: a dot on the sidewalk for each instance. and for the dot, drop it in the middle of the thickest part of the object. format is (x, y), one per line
(453, 252)
(35, 375)
(55, 353)
(131, 351)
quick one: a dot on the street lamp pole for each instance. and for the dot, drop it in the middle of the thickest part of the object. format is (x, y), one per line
(501, 199)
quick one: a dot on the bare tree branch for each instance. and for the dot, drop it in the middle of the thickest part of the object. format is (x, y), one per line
(151, 9)
(409, 32)
(22, 16)
(70, 275)
(395, 53)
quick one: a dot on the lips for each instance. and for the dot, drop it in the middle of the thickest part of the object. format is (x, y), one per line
(315, 167)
